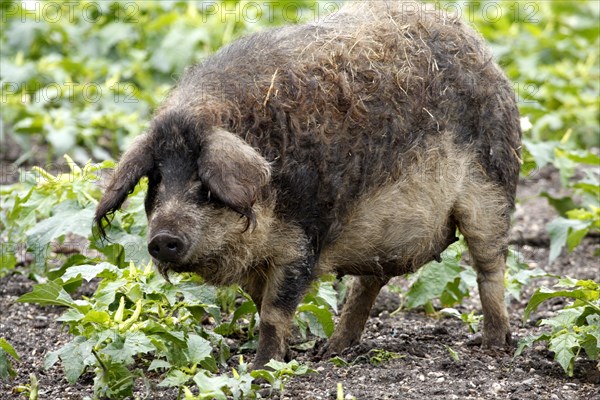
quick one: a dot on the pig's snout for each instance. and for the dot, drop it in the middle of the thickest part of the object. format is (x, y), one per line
(167, 247)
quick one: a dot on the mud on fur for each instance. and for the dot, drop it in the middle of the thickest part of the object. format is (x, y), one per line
(356, 145)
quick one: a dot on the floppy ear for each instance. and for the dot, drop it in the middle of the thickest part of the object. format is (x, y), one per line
(134, 164)
(233, 171)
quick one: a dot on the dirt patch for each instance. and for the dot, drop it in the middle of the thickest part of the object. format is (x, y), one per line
(425, 367)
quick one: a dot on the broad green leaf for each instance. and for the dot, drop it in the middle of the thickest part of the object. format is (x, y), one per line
(172, 335)
(195, 293)
(98, 317)
(593, 321)
(543, 294)
(565, 282)
(75, 356)
(71, 315)
(51, 358)
(8, 261)
(575, 238)
(454, 293)
(565, 318)
(328, 294)
(135, 248)
(138, 343)
(562, 345)
(542, 152)
(211, 385)
(584, 157)
(339, 362)
(175, 378)
(198, 348)
(177, 48)
(48, 294)
(266, 375)
(117, 350)
(560, 204)
(308, 345)
(320, 320)
(107, 291)
(591, 345)
(431, 282)
(559, 231)
(528, 341)
(277, 365)
(69, 217)
(89, 272)
(6, 369)
(247, 307)
(157, 363)
(114, 383)
(4, 345)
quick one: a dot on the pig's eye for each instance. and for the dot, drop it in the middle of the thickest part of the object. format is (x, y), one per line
(154, 177)
(204, 194)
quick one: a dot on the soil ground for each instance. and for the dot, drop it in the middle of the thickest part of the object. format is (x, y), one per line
(425, 368)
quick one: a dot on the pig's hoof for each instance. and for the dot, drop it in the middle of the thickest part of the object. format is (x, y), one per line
(495, 341)
(258, 364)
(491, 341)
(334, 348)
(327, 351)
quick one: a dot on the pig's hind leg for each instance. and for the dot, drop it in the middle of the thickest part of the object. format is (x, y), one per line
(355, 313)
(483, 217)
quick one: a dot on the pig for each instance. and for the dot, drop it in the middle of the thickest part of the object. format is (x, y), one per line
(355, 145)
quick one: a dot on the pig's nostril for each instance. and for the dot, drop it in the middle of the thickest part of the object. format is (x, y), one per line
(166, 247)
(154, 250)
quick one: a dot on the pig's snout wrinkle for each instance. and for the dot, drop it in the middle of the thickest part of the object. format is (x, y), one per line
(166, 247)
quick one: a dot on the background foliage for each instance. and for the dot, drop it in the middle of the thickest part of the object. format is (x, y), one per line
(83, 78)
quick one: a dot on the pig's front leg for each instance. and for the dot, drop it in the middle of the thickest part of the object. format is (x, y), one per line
(284, 288)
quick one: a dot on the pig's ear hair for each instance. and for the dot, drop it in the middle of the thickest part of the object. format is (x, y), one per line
(233, 171)
(134, 164)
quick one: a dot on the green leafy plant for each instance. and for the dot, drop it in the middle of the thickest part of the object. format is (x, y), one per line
(453, 354)
(518, 275)
(373, 357)
(281, 372)
(88, 97)
(315, 313)
(574, 328)
(544, 47)
(49, 216)
(449, 281)
(31, 390)
(6, 351)
(471, 319)
(580, 211)
(135, 322)
(132, 314)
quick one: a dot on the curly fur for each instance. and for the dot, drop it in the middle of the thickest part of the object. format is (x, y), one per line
(355, 145)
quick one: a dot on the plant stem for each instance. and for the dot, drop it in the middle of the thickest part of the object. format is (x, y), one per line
(429, 309)
(102, 365)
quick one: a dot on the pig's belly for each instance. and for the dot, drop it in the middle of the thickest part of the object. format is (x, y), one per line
(394, 230)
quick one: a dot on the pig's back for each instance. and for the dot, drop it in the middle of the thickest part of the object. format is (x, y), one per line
(342, 107)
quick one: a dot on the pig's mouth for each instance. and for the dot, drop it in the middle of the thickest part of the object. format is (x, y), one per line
(203, 269)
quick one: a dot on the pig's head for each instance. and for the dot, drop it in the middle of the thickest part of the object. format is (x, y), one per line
(203, 186)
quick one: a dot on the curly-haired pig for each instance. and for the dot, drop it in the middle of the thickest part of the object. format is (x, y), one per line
(357, 145)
